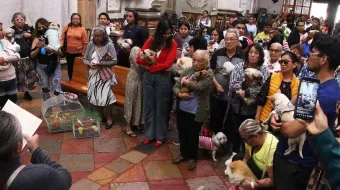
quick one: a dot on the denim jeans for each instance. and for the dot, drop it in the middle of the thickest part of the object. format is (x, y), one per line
(157, 89)
(50, 81)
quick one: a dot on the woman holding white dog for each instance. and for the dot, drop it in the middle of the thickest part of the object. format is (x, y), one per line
(242, 91)
(284, 82)
(193, 107)
(260, 147)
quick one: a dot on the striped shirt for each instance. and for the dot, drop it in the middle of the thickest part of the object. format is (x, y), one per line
(207, 143)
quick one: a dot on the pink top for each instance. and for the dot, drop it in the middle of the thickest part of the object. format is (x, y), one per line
(206, 143)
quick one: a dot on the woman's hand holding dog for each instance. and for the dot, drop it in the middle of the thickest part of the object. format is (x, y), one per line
(184, 96)
(247, 184)
(319, 124)
(274, 124)
(241, 94)
(185, 81)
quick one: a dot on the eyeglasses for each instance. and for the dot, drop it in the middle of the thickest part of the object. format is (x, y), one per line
(274, 50)
(230, 39)
(284, 61)
(19, 19)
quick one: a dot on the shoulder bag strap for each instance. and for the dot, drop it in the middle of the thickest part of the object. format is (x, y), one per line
(13, 176)
(267, 158)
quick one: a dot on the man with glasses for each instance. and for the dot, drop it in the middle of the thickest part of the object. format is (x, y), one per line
(263, 36)
(231, 53)
(323, 61)
(240, 26)
(272, 59)
(296, 36)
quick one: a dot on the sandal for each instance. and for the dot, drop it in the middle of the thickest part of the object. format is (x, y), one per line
(191, 165)
(130, 133)
(178, 160)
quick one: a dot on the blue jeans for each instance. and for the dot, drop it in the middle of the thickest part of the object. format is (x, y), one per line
(50, 81)
(157, 89)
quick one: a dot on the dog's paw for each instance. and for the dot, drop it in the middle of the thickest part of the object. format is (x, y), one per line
(215, 160)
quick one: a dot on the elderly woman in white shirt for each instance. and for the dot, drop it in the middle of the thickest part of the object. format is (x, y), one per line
(272, 57)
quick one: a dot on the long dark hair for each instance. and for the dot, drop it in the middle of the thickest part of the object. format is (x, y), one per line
(258, 48)
(42, 21)
(158, 42)
(220, 34)
(135, 14)
(75, 14)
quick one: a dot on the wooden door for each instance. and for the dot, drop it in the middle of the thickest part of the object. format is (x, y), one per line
(87, 10)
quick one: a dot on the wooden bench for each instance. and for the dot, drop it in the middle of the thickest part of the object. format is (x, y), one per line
(80, 76)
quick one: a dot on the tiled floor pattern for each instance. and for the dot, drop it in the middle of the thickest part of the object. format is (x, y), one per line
(118, 162)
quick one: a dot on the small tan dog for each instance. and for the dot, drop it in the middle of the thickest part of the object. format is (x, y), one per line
(285, 110)
(238, 171)
(199, 75)
(149, 56)
(252, 79)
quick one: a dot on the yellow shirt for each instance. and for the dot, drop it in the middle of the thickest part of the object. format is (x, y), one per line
(260, 156)
(261, 36)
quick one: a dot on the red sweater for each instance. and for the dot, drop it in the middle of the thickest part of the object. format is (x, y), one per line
(165, 59)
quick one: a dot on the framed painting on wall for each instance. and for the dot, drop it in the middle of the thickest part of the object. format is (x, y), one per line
(113, 6)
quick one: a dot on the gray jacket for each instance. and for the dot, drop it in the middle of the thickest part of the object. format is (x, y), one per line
(202, 89)
(109, 47)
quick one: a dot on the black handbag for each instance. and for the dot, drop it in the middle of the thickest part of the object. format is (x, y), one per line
(51, 66)
(63, 49)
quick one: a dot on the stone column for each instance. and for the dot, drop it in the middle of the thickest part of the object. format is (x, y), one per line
(72, 6)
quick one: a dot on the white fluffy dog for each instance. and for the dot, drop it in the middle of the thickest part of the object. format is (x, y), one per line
(182, 64)
(212, 143)
(285, 110)
(9, 34)
(52, 34)
(7, 54)
(125, 44)
(228, 67)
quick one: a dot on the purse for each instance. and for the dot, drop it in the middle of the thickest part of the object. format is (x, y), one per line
(63, 49)
(51, 66)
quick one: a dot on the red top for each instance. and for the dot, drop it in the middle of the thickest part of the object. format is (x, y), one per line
(165, 59)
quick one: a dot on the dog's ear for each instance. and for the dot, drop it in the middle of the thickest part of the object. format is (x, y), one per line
(215, 140)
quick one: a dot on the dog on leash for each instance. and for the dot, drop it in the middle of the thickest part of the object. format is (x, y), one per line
(238, 171)
(212, 143)
(285, 110)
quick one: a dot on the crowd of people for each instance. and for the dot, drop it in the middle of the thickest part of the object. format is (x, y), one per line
(232, 75)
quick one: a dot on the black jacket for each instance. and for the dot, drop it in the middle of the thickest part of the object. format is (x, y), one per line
(44, 174)
(293, 38)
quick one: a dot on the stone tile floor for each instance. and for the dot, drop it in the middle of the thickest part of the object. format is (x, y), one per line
(118, 162)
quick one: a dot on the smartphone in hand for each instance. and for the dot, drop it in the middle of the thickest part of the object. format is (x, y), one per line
(306, 99)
